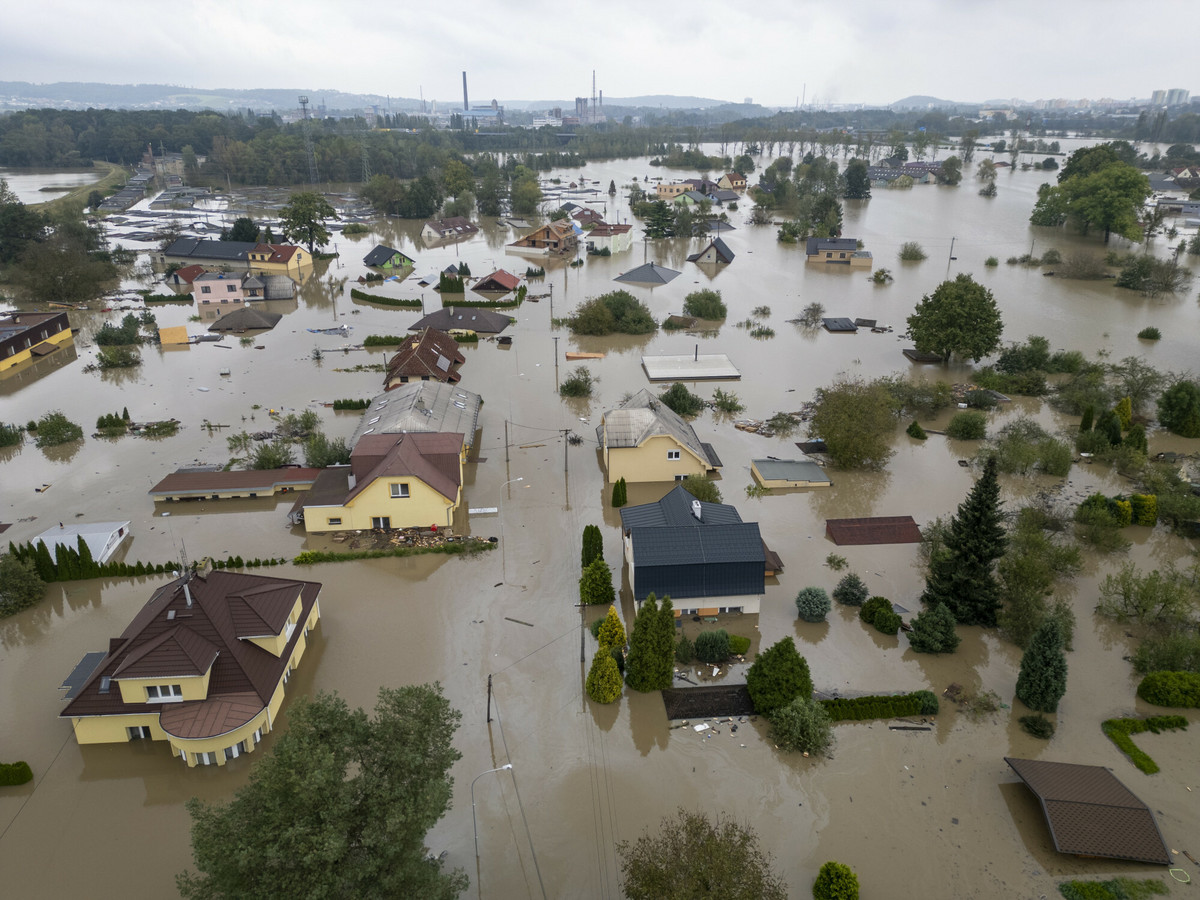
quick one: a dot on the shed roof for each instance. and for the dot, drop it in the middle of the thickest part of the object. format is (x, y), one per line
(874, 530)
(246, 319)
(1091, 813)
(186, 481)
(840, 325)
(790, 470)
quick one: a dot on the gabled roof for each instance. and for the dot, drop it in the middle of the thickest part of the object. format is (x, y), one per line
(419, 407)
(821, 245)
(453, 226)
(605, 229)
(432, 354)
(383, 254)
(97, 535)
(184, 632)
(644, 416)
(649, 273)
(676, 508)
(432, 458)
(500, 280)
(188, 274)
(202, 248)
(483, 321)
(719, 247)
(874, 530)
(246, 319)
(724, 195)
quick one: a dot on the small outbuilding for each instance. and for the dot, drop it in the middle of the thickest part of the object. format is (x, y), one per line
(788, 473)
(102, 538)
(873, 530)
(717, 251)
(650, 274)
(246, 319)
(839, 325)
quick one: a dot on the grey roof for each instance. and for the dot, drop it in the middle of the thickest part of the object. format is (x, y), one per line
(470, 318)
(279, 287)
(422, 406)
(685, 545)
(246, 319)
(675, 508)
(644, 416)
(724, 194)
(649, 273)
(821, 245)
(721, 248)
(790, 470)
(839, 324)
(206, 249)
(715, 225)
(380, 255)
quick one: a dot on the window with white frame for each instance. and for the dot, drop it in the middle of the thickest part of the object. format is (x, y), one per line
(164, 692)
(672, 454)
(399, 491)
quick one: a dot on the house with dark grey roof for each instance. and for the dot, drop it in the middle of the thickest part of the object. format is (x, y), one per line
(701, 555)
(202, 666)
(245, 256)
(644, 440)
(717, 251)
(468, 319)
(383, 257)
(837, 252)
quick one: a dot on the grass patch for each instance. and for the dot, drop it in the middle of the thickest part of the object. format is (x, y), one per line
(1121, 888)
(113, 179)
(1119, 731)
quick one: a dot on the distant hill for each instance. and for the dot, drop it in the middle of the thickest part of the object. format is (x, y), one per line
(924, 101)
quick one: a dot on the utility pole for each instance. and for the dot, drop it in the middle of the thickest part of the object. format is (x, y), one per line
(566, 444)
(506, 440)
(555, 357)
(489, 701)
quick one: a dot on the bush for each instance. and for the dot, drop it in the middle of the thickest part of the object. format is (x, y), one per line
(118, 358)
(910, 251)
(389, 301)
(887, 622)
(685, 651)
(727, 402)
(835, 882)
(351, 404)
(577, 384)
(1037, 725)
(383, 340)
(778, 676)
(1179, 409)
(738, 645)
(10, 435)
(681, 401)
(967, 426)
(620, 493)
(933, 631)
(704, 304)
(916, 431)
(851, 590)
(1051, 257)
(611, 632)
(712, 646)
(12, 774)
(812, 604)
(604, 678)
(802, 725)
(836, 561)
(882, 276)
(991, 262)
(615, 312)
(595, 584)
(54, 428)
(857, 709)
(1150, 334)
(1171, 689)
(871, 608)
(592, 546)
(703, 489)
(1119, 731)
(1175, 651)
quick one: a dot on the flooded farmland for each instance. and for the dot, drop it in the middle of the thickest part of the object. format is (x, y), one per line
(933, 814)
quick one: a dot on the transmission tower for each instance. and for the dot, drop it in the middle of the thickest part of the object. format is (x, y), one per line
(308, 146)
(366, 161)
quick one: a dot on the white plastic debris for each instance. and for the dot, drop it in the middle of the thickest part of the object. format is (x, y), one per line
(703, 726)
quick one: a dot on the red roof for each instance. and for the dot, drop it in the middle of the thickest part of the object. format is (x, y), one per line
(429, 355)
(280, 253)
(875, 530)
(503, 280)
(603, 229)
(190, 273)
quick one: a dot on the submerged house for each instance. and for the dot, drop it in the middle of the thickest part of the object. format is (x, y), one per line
(383, 257)
(717, 251)
(25, 335)
(498, 282)
(427, 356)
(246, 256)
(837, 252)
(553, 239)
(202, 666)
(701, 555)
(644, 440)
(464, 320)
(613, 238)
(448, 229)
(103, 539)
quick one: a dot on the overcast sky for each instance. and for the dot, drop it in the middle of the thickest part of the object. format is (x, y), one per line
(844, 51)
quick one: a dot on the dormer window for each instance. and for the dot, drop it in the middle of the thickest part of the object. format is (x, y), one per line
(163, 692)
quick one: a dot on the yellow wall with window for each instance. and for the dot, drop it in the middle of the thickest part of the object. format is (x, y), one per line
(421, 508)
(25, 354)
(651, 462)
(193, 687)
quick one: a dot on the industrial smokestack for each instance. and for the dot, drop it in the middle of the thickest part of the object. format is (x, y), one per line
(465, 106)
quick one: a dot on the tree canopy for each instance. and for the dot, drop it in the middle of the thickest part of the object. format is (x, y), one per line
(339, 808)
(1043, 677)
(959, 318)
(650, 665)
(1098, 187)
(778, 676)
(692, 857)
(303, 218)
(855, 419)
(617, 311)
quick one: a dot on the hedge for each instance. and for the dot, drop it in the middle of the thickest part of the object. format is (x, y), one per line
(65, 563)
(1171, 689)
(1119, 731)
(385, 301)
(383, 340)
(312, 557)
(457, 300)
(1119, 888)
(12, 774)
(351, 404)
(918, 703)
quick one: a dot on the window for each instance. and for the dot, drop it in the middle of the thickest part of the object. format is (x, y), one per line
(382, 522)
(672, 454)
(206, 759)
(230, 288)
(334, 521)
(164, 692)
(841, 256)
(205, 289)
(399, 491)
(681, 477)
(233, 752)
(138, 732)
(258, 736)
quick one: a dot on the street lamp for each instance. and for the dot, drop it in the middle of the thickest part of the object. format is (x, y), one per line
(474, 821)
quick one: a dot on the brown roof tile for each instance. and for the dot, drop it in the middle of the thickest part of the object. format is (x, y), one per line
(875, 530)
(432, 457)
(430, 354)
(254, 481)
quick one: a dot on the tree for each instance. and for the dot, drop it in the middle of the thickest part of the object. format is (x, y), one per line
(704, 304)
(851, 590)
(340, 807)
(812, 604)
(612, 632)
(855, 419)
(660, 220)
(243, 229)
(271, 455)
(1043, 677)
(858, 182)
(681, 401)
(20, 585)
(959, 317)
(703, 489)
(986, 171)
(712, 646)
(617, 311)
(66, 264)
(457, 178)
(933, 631)
(649, 666)
(836, 881)
(303, 219)
(595, 584)
(526, 193)
(604, 678)
(951, 170)
(620, 493)
(320, 452)
(777, 677)
(1179, 408)
(593, 545)
(1098, 187)
(691, 857)
(961, 572)
(802, 726)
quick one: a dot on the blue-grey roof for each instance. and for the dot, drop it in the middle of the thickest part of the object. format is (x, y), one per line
(821, 245)
(206, 249)
(683, 561)
(676, 509)
(649, 273)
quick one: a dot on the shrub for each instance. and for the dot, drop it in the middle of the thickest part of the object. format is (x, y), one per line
(118, 357)
(1171, 689)
(727, 402)
(681, 401)
(929, 702)
(703, 489)
(1043, 676)
(616, 311)
(1051, 257)
(704, 304)
(991, 262)
(410, 303)
(858, 709)
(620, 493)
(887, 622)
(811, 315)
(10, 435)
(592, 546)
(967, 426)
(594, 628)
(611, 632)
(851, 590)
(1037, 725)
(1119, 731)
(604, 678)
(12, 774)
(871, 608)
(54, 428)
(1179, 409)
(383, 340)
(577, 384)
(1175, 651)
(802, 725)
(595, 584)
(712, 646)
(835, 882)
(685, 652)
(351, 404)
(910, 251)
(738, 645)
(916, 431)
(812, 604)
(933, 631)
(778, 676)
(881, 276)
(1150, 334)
(836, 561)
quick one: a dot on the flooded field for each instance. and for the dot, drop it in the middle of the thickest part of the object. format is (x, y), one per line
(934, 814)
(39, 185)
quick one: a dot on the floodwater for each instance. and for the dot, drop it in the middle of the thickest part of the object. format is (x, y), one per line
(28, 184)
(935, 814)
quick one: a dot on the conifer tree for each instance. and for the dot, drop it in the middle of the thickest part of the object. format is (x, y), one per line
(639, 664)
(87, 565)
(595, 584)
(604, 678)
(620, 493)
(933, 631)
(612, 632)
(1043, 677)
(961, 573)
(778, 676)
(47, 571)
(593, 545)
(664, 644)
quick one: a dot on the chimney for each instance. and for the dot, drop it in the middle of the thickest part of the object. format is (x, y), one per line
(696, 510)
(466, 108)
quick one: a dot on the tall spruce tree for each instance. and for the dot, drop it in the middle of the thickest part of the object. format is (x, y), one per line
(962, 572)
(650, 656)
(664, 644)
(1043, 677)
(593, 545)
(933, 631)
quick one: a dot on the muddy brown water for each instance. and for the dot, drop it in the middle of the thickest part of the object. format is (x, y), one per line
(934, 814)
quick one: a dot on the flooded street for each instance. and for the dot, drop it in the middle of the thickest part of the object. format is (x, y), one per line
(932, 814)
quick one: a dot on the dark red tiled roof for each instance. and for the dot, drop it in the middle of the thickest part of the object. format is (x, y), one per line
(875, 530)
(1091, 813)
(498, 280)
(432, 457)
(430, 354)
(254, 481)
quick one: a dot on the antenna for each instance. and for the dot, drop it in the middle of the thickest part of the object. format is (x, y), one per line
(308, 147)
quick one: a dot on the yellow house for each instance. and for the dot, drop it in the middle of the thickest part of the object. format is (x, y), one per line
(244, 256)
(643, 440)
(24, 335)
(203, 666)
(393, 481)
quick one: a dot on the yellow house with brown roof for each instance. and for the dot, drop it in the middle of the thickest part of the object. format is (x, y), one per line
(203, 666)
